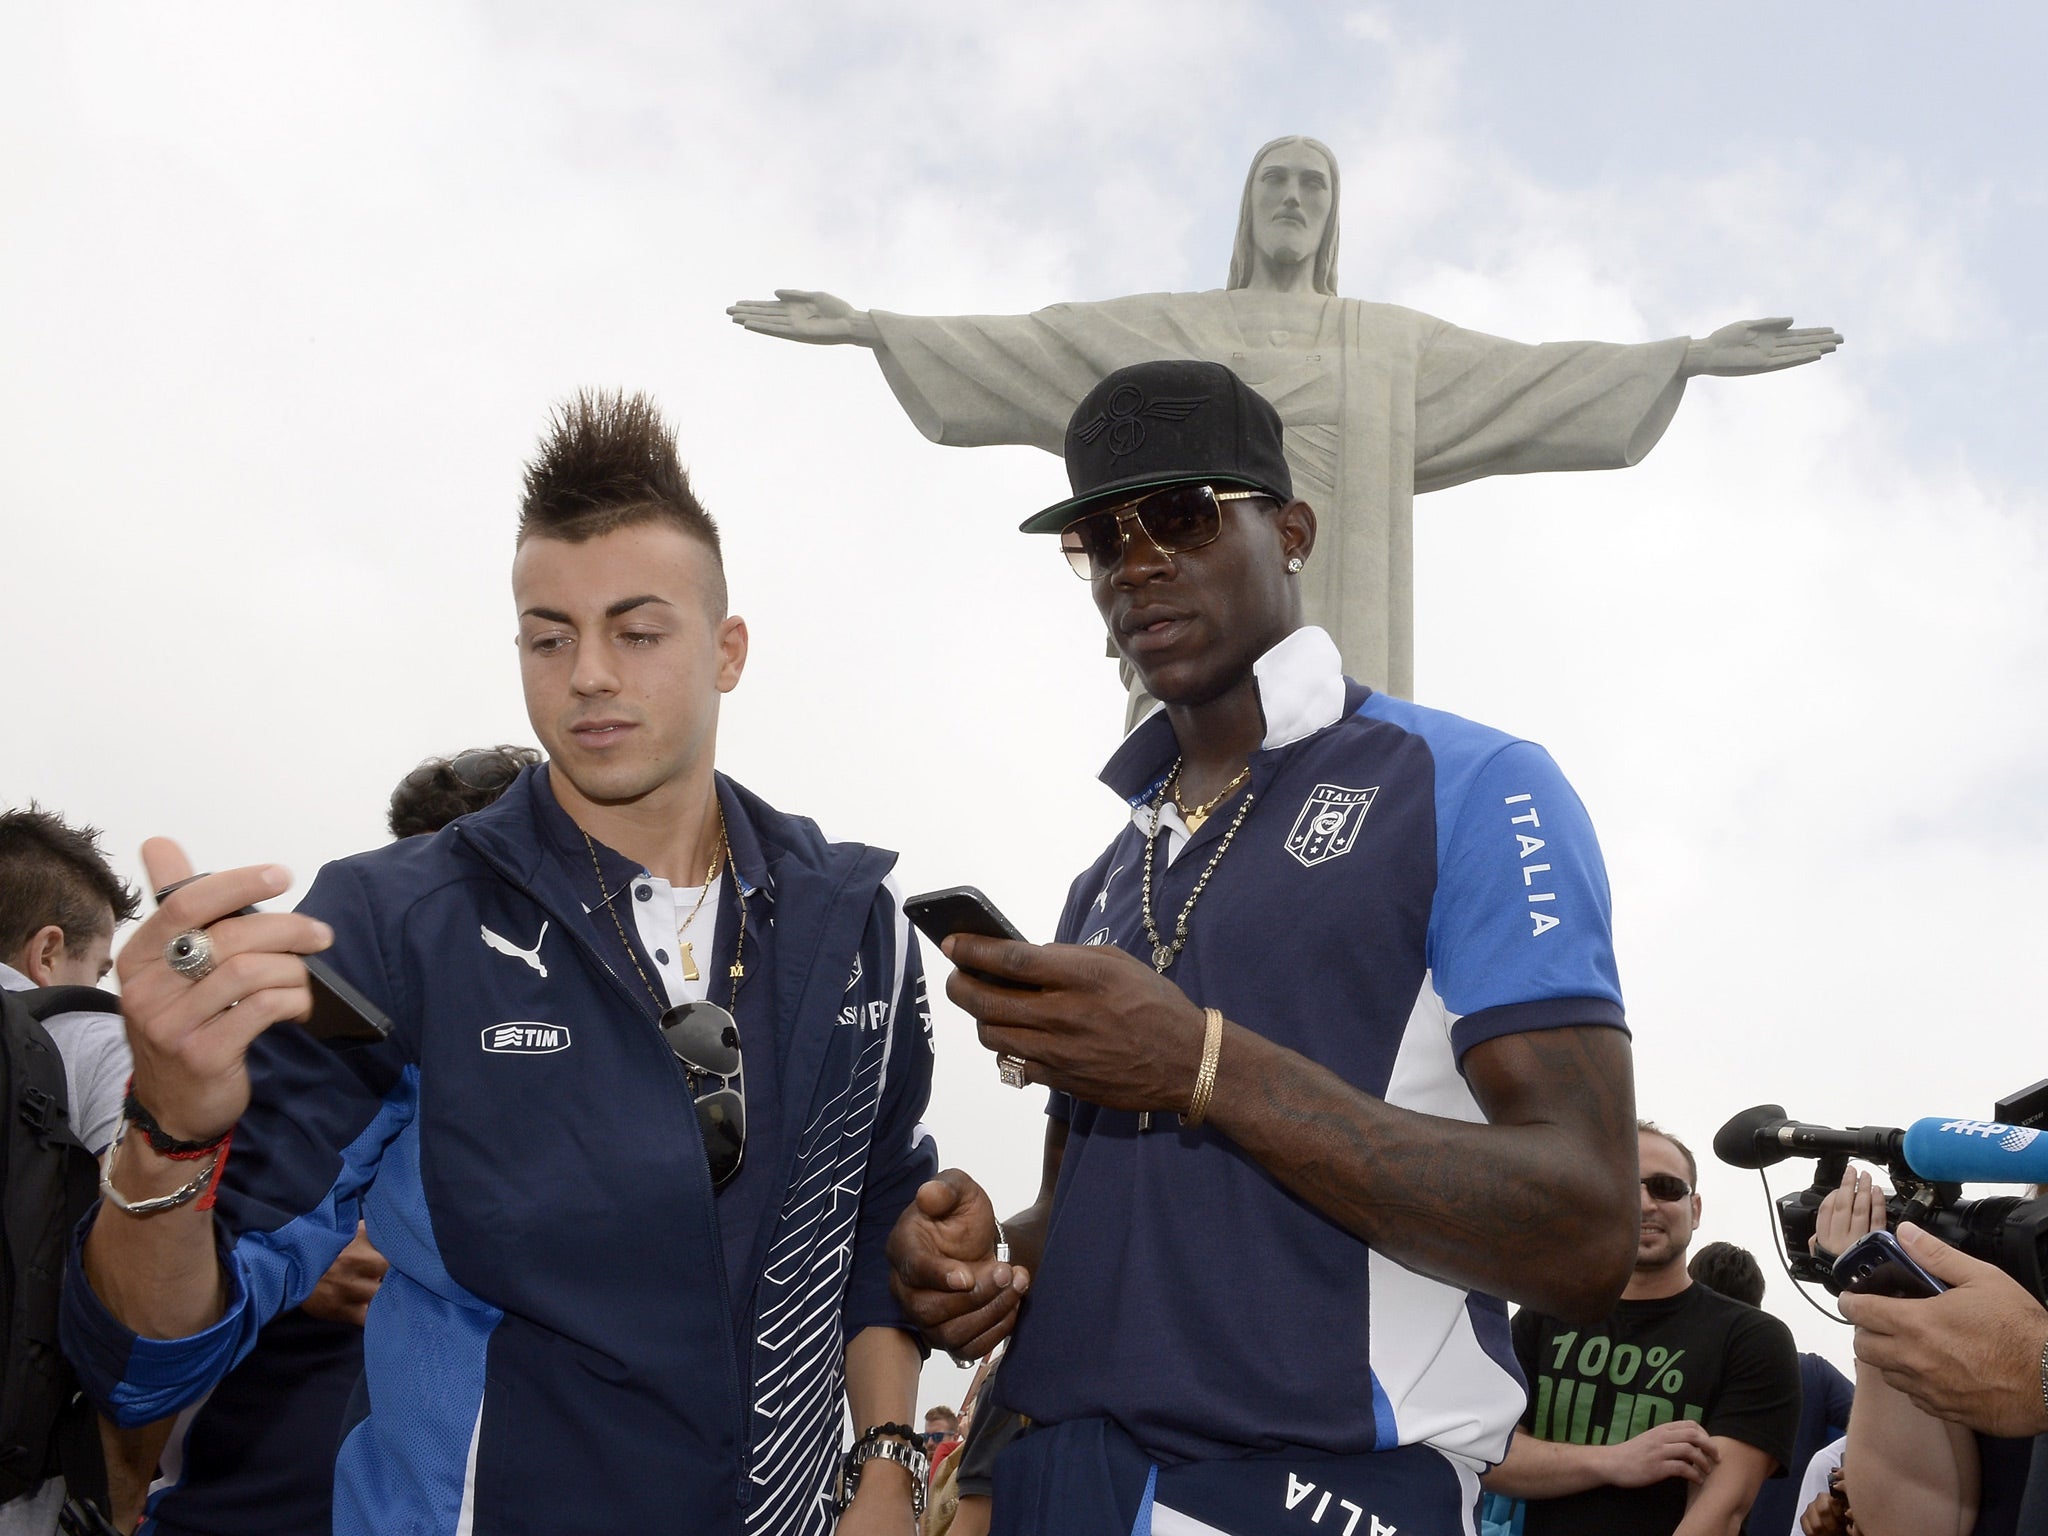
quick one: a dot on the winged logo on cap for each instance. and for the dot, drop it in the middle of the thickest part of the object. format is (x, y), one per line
(1123, 417)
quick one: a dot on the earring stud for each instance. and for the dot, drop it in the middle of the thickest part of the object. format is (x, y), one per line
(1294, 566)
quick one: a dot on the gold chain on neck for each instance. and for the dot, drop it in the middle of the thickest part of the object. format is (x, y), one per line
(1194, 818)
(721, 860)
(717, 863)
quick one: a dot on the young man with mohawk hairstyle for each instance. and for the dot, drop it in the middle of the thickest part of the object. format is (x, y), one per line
(634, 1144)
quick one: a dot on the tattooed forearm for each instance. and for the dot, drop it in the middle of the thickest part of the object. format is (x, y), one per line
(1536, 1206)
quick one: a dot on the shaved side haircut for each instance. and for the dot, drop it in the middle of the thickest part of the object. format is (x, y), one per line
(607, 460)
(52, 872)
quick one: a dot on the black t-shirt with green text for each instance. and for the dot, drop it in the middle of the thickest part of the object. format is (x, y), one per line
(1696, 1355)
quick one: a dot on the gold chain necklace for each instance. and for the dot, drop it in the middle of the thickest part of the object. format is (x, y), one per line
(1164, 953)
(724, 858)
(686, 953)
(1194, 818)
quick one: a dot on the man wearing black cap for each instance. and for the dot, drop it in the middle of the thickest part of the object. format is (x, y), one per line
(1335, 1041)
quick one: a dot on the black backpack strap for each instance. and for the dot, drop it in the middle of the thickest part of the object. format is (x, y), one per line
(43, 1108)
(48, 1002)
(49, 1181)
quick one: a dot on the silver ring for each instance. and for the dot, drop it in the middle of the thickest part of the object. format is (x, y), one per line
(1011, 1070)
(190, 954)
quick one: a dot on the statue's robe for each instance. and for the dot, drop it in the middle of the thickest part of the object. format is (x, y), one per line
(1378, 402)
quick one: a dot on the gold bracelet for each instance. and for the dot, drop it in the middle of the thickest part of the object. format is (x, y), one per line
(1205, 1075)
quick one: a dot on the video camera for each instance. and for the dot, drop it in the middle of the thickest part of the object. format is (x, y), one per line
(1929, 1162)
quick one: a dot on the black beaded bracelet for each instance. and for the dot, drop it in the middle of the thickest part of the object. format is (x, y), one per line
(161, 1141)
(900, 1431)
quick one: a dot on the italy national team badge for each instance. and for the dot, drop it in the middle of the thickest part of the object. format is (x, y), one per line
(1329, 822)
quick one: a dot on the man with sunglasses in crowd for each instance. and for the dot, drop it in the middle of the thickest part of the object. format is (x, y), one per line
(1667, 1416)
(1335, 1039)
(646, 1111)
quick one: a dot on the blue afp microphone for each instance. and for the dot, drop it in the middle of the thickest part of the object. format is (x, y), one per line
(1976, 1152)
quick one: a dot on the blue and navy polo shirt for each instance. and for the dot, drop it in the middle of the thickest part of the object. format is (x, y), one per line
(1405, 886)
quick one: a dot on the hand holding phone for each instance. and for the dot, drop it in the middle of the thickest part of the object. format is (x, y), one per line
(963, 909)
(341, 1015)
(1877, 1265)
(195, 1079)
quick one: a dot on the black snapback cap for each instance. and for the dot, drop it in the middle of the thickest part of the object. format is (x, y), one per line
(1173, 422)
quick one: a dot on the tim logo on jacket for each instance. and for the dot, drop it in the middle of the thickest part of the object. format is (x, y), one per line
(525, 1039)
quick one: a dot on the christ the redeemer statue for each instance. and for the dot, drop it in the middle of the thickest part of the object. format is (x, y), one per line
(1379, 402)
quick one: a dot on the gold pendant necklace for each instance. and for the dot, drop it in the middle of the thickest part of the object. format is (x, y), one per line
(738, 969)
(1193, 819)
(718, 858)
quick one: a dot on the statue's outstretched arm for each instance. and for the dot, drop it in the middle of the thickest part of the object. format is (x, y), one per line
(1758, 346)
(800, 314)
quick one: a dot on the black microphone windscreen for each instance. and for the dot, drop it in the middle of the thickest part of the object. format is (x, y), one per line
(1736, 1144)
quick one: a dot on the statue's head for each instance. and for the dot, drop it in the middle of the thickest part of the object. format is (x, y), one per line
(1289, 212)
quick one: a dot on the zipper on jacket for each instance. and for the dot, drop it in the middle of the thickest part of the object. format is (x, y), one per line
(730, 1351)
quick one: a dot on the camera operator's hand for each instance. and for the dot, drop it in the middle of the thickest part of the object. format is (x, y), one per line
(1847, 1215)
(1971, 1355)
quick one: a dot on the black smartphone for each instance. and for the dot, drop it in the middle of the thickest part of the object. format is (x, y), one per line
(1876, 1265)
(963, 909)
(341, 1015)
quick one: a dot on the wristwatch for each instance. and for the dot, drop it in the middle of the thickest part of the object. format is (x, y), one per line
(888, 1447)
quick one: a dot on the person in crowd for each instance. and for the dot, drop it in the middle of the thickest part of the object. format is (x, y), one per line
(443, 788)
(1334, 1036)
(1825, 1394)
(256, 1456)
(1666, 1416)
(647, 1109)
(60, 904)
(941, 1432)
(985, 1430)
(1939, 1442)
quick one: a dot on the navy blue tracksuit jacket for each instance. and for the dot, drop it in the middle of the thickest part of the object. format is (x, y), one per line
(557, 1347)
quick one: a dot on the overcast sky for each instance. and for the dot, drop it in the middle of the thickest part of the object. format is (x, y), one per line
(286, 294)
